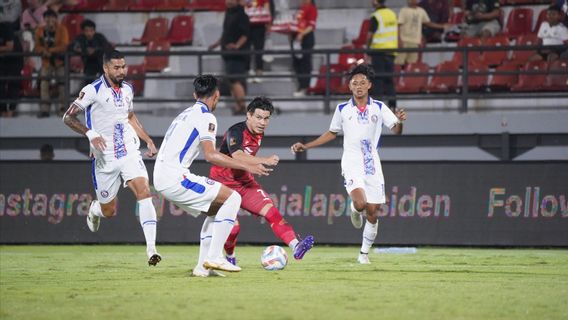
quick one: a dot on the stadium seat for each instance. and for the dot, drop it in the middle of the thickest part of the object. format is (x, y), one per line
(495, 58)
(72, 22)
(27, 85)
(503, 82)
(541, 18)
(118, 5)
(172, 5)
(557, 81)
(444, 83)
(520, 57)
(519, 22)
(456, 17)
(207, 5)
(361, 39)
(157, 63)
(457, 58)
(409, 83)
(86, 5)
(136, 77)
(476, 81)
(531, 82)
(336, 85)
(76, 64)
(181, 30)
(155, 29)
(347, 59)
(145, 5)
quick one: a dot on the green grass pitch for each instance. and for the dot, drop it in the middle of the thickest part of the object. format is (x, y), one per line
(114, 282)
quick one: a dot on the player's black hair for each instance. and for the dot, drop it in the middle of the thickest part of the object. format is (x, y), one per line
(262, 103)
(88, 24)
(49, 13)
(205, 85)
(363, 69)
(112, 54)
(555, 7)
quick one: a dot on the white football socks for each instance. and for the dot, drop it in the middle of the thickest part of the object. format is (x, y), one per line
(205, 240)
(148, 221)
(293, 244)
(369, 235)
(223, 224)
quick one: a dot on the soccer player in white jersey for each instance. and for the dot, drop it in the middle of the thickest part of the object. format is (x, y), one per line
(192, 131)
(114, 133)
(361, 120)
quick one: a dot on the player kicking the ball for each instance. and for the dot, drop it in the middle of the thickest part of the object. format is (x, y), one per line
(242, 142)
(361, 120)
(113, 132)
(194, 129)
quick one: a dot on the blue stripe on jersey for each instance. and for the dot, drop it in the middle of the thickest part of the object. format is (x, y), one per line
(89, 123)
(341, 106)
(194, 186)
(106, 81)
(97, 86)
(205, 109)
(93, 173)
(380, 104)
(188, 144)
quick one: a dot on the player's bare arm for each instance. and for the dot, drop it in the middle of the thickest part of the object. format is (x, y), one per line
(321, 140)
(217, 158)
(71, 120)
(133, 120)
(401, 115)
(267, 161)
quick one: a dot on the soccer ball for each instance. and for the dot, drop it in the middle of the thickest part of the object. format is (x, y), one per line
(274, 258)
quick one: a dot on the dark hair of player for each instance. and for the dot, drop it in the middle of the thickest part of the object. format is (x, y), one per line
(555, 7)
(262, 103)
(363, 69)
(113, 54)
(205, 86)
(88, 24)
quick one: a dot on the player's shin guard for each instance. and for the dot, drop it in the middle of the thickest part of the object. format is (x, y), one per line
(231, 242)
(222, 225)
(148, 220)
(205, 240)
(279, 226)
(369, 235)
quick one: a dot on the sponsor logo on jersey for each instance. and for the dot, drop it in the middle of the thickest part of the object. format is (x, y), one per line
(374, 118)
(209, 181)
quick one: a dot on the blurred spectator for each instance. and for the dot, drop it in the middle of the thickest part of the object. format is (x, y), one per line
(10, 11)
(260, 17)
(46, 153)
(563, 4)
(303, 39)
(51, 42)
(410, 22)
(482, 18)
(439, 12)
(32, 17)
(91, 45)
(383, 34)
(10, 66)
(551, 33)
(56, 5)
(235, 37)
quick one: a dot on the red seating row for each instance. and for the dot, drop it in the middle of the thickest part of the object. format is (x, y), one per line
(179, 33)
(147, 5)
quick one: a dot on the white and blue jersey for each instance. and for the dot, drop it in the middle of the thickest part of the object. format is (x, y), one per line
(360, 163)
(106, 112)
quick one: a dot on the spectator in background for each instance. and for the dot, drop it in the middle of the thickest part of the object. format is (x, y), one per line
(91, 45)
(439, 12)
(11, 11)
(10, 66)
(551, 33)
(482, 18)
(235, 37)
(32, 17)
(410, 22)
(383, 34)
(46, 153)
(260, 18)
(303, 38)
(51, 42)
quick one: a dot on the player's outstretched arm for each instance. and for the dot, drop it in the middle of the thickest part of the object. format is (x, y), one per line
(133, 120)
(401, 115)
(323, 139)
(217, 158)
(267, 161)
(71, 120)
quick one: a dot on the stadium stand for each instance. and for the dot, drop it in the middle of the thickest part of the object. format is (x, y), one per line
(519, 22)
(181, 30)
(155, 29)
(409, 83)
(73, 24)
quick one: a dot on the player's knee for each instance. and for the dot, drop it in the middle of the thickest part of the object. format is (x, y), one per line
(108, 212)
(360, 205)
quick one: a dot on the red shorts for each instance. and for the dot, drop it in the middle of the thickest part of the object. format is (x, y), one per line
(254, 198)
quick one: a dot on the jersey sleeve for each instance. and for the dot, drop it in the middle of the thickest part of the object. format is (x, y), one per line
(425, 16)
(389, 118)
(234, 139)
(208, 128)
(86, 97)
(336, 122)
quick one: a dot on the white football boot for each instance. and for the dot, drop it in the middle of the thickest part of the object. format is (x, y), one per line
(93, 221)
(220, 264)
(363, 258)
(204, 273)
(356, 217)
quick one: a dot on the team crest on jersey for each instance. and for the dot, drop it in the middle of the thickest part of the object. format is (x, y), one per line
(348, 183)
(104, 194)
(374, 118)
(209, 181)
(232, 141)
(81, 95)
(211, 127)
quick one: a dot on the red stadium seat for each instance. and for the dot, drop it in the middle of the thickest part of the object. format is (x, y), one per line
(361, 39)
(145, 5)
(76, 64)
(444, 83)
(27, 85)
(155, 29)
(181, 30)
(118, 5)
(456, 17)
(157, 63)
(520, 57)
(409, 83)
(86, 5)
(347, 59)
(557, 81)
(136, 77)
(476, 81)
(207, 5)
(541, 18)
(335, 83)
(172, 5)
(495, 58)
(72, 22)
(519, 22)
(531, 82)
(503, 82)
(457, 58)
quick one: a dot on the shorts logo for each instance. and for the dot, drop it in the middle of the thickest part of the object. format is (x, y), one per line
(81, 95)
(374, 118)
(211, 127)
(209, 181)
(104, 193)
(348, 183)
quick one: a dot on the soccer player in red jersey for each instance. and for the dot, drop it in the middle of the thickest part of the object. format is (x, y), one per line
(242, 142)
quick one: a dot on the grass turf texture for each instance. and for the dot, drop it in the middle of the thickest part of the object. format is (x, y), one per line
(114, 282)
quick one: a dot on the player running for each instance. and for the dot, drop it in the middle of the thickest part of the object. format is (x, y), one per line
(360, 120)
(194, 129)
(242, 142)
(113, 131)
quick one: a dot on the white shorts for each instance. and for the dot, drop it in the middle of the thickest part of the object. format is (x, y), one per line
(193, 193)
(374, 187)
(107, 174)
